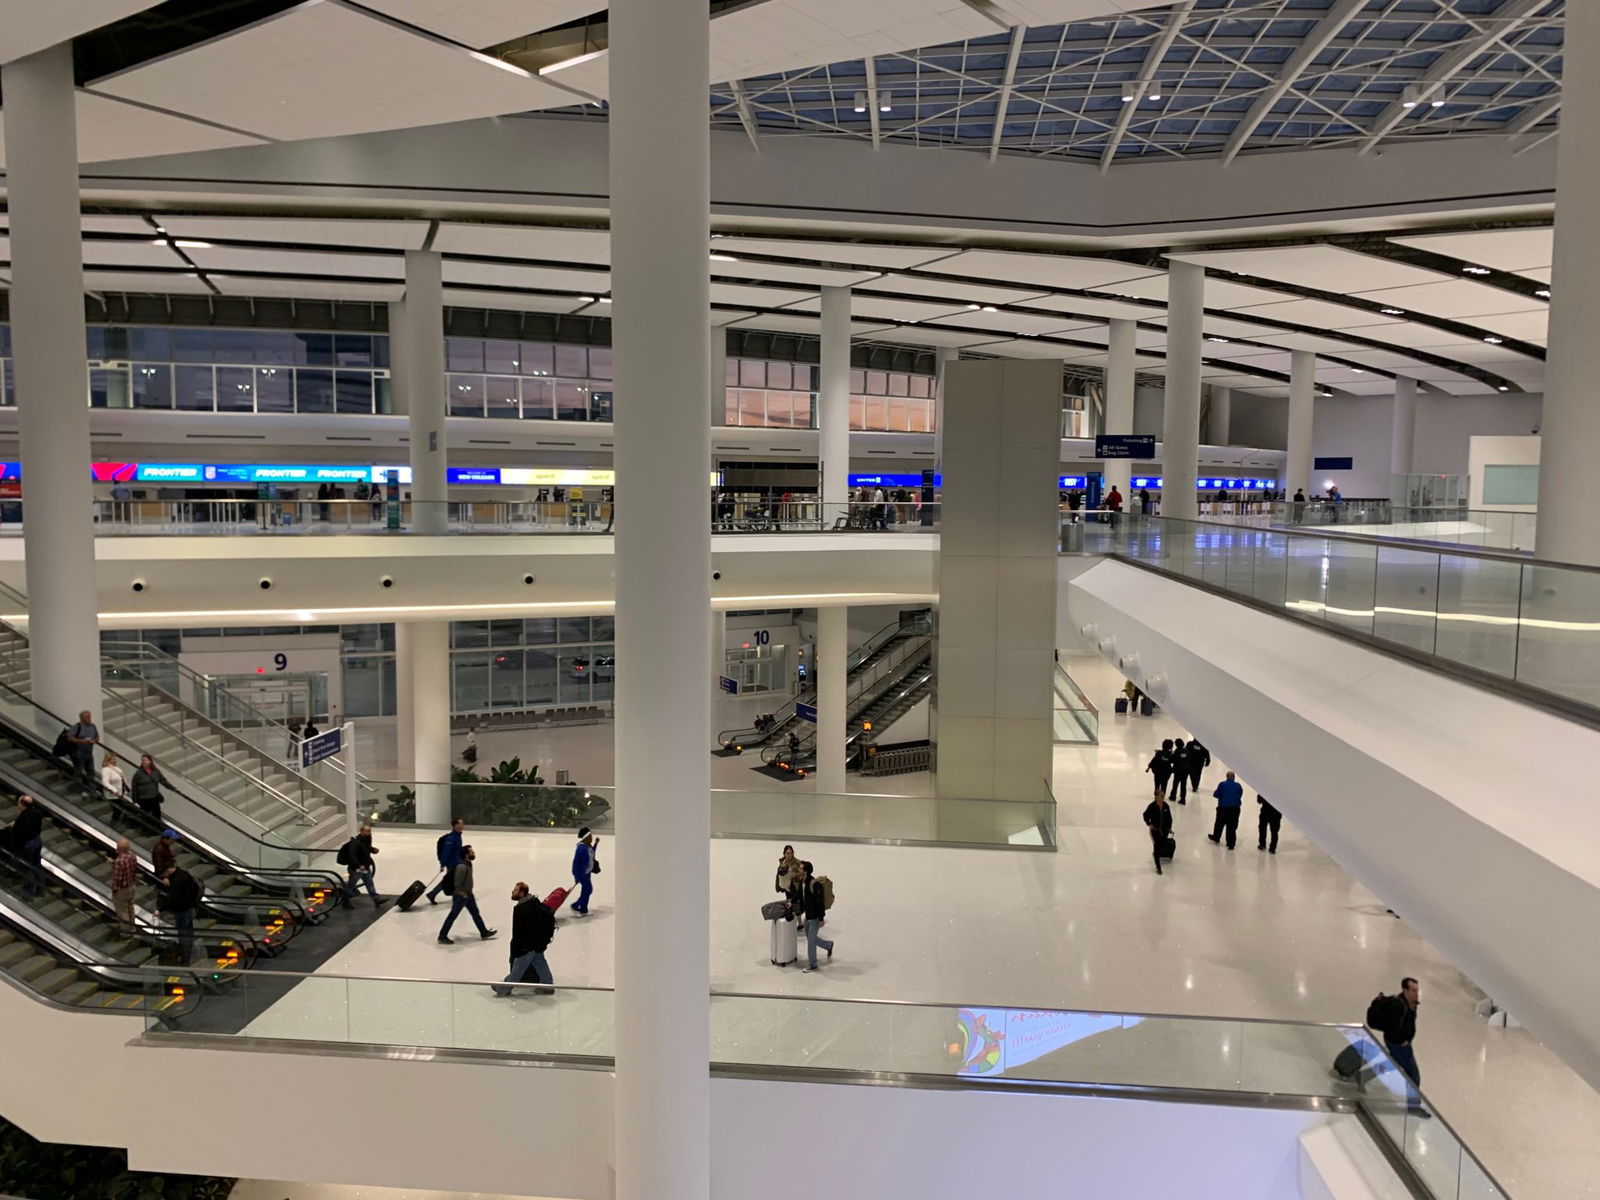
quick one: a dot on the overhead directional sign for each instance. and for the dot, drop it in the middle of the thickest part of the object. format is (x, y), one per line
(1125, 445)
(729, 685)
(806, 712)
(324, 745)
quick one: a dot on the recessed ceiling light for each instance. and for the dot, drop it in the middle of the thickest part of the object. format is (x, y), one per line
(1358, 370)
(1504, 388)
(605, 300)
(188, 244)
(884, 103)
(989, 308)
(586, 300)
(861, 102)
(974, 307)
(1544, 293)
(1493, 341)
(1224, 341)
(1392, 312)
(1476, 270)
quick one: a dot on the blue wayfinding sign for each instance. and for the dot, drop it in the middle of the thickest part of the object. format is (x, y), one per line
(731, 686)
(325, 745)
(1125, 445)
(806, 712)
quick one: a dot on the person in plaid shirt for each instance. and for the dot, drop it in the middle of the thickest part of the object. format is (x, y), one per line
(124, 874)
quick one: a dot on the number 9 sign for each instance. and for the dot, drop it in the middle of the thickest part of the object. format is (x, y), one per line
(280, 661)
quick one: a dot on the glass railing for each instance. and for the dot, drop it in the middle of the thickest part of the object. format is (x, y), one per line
(1534, 623)
(1196, 1059)
(488, 804)
(310, 517)
(1480, 529)
(1074, 718)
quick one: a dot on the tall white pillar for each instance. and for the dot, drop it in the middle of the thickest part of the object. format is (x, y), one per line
(1302, 399)
(833, 400)
(47, 337)
(1403, 444)
(422, 665)
(1570, 425)
(1180, 412)
(1221, 427)
(1121, 338)
(833, 648)
(399, 368)
(718, 361)
(421, 349)
(942, 355)
(718, 663)
(660, 228)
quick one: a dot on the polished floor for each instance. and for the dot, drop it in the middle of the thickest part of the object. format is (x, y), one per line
(1223, 933)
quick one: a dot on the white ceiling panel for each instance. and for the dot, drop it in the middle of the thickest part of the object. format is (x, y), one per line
(891, 310)
(1266, 362)
(1527, 326)
(1454, 300)
(1370, 385)
(484, 23)
(298, 262)
(1306, 341)
(525, 241)
(1402, 333)
(1316, 313)
(1144, 339)
(883, 257)
(959, 292)
(1387, 360)
(1223, 327)
(1429, 373)
(1484, 354)
(1015, 323)
(308, 289)
(323, 69)
(383, 235)
(776, 273)
(1327, 268)
(756, 297)
(1220, 292)
(1029, 348)
(514, 302)
(727, 316)
(33, 25)
(544, 279)
(132, 254)
(152, 284)
(812, 325)
(96, 223)
(1518, 250)
(1045, 270)
(1339, 376)
(922, 335)
(1462, 387)
(1073, 307)
(109, 129)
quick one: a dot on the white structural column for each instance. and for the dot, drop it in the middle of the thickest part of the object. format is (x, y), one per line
(941, 356)
(1570, 426)
(718, 663)
(1220, 428)
(47, 335)
(660, 228)
(833, 400)
(1402, 446)
(1121, 339)
(718, 362)
(1302, 400)
(420, 350)
(1180, 412)
(833, 648)
(422, 684)
(998, 544)
(399, 376)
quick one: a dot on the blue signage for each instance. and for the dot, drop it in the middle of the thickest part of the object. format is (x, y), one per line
(731, 686)
(170, 473)
(806, 712)
(473, 475)
(1070, 481)
(1125, 445)
(890, 480)
(325, 745)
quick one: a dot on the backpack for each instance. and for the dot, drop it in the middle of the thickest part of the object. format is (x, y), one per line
(344, 855)
(438, 848)
(1381, 1014)
(827, 891)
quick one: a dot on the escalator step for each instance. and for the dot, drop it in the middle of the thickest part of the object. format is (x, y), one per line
(81, 992)
(16, 952)
(34, 967)
(53, 981)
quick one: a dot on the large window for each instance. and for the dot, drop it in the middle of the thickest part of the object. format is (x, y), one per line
(534, 663)
(784, 395)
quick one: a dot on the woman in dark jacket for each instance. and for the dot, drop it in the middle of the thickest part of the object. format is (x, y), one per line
(1160, 765)
(1158, 816)
(145, 787)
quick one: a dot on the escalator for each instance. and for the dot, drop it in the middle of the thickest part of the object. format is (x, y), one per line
(874, 710)
(911, 626)
(253, 886)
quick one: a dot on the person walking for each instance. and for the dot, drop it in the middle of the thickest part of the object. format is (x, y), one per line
(162, 854)
(1180, 772)
(462, 899)
(177, 895)
(1113, 503)
(1399, 1036)
(81, 740)
(448, 851)
(1229, 797)
(1158, 816)
(359, 865)
(1160, 765)
(1268, 821)
(26, 839)
(583, 867)
(1199, 760)
(146, 786)
(112, 781)
(124, 876)
(533, 925)
(815, 902)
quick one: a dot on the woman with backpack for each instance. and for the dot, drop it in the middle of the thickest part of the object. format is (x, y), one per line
(814, 899)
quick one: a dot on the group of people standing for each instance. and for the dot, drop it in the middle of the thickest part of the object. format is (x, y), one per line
(1177, 767)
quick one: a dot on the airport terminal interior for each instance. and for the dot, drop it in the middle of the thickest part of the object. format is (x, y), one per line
(699, 597)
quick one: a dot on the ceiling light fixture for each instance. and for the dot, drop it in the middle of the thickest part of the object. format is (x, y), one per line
(1155, 91)
(1224, 341)
(861, 102)
(974, 307)
(884, 104)
(1504, 388)
(989, 308)
(1476, 270)
(1391, 312)
(189, 244)
(1410, 96)
(1493, 341)
(1543, 293)
(723, 258)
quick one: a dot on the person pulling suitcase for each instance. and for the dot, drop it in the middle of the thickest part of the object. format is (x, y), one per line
(1158, 816)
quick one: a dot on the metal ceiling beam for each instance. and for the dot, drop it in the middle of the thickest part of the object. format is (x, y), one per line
(1178, 14)
(1003, 101)
(1503, 21)
(747, 118)
(1318, 40)
(1535, 115)
(872, 101)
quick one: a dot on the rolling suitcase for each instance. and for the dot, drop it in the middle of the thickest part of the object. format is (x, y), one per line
(1147, 707)
(410, 895)
(1168, 847)
(557, 898)
(785, 942)
(1122, 705)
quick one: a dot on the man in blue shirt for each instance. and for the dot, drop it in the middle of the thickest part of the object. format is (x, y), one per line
(448, 849)
(1229, 797)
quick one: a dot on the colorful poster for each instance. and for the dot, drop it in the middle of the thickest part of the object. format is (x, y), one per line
(992, 1041)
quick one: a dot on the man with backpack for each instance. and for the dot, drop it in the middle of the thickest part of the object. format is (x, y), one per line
(448, 851)
(178, 895)
(1399, 1030)
(816, 896)
(355, 856)
(533, 925)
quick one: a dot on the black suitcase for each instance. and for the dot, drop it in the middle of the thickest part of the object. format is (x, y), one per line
(1167, 848)
(410, 895)
(1122, 704)
(1147, 707)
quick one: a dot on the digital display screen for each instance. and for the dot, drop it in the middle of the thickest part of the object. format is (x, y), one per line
(991, 1041)
(473, 475)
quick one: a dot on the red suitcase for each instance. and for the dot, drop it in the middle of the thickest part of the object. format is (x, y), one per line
(556, 899)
